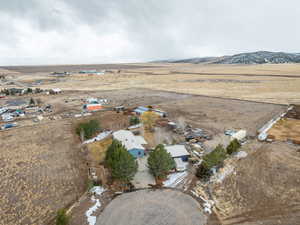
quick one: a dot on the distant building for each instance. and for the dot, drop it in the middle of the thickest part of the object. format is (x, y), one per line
(141, 109)
(133, 144)
(93, 72)
(92, 107)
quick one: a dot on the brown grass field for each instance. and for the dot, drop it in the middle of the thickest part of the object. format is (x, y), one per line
(286, 129)
(43, 170)
(278, 83)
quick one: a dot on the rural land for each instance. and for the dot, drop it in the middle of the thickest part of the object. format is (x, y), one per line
(169, 142)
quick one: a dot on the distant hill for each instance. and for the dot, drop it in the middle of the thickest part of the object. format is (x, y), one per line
(259, 57)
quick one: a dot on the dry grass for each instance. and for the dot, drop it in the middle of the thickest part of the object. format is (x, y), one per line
(97, 150)
(286, 129)
(266, 83)
(41, 171)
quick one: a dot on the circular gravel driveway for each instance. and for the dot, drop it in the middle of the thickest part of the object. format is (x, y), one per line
(153, 207)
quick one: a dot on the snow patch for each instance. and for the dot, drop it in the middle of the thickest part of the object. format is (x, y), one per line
(241, 154)
(174, 179)
(99, 137)
(97, 190)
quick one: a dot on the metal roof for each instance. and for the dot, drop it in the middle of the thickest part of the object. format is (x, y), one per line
(128, 139)
(177, 150)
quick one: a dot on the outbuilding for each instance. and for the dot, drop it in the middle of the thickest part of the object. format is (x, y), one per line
(178, 151)
(133, 144)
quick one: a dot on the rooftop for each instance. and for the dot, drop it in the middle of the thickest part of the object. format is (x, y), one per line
(129, 140)
(177, 150)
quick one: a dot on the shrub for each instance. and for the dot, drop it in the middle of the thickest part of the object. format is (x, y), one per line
(203, 172)
(62, 218)
(148, 119)
(233, 147)
(88, 129)
(215, 158)
(160, 162)
(134, 120)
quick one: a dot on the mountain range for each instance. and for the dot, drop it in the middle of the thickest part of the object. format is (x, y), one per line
(260, 57)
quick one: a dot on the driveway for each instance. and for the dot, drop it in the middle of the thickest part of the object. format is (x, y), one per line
(143, 176)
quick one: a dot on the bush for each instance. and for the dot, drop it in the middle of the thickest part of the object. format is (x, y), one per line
(215, 158)
(62, 218)
(233, 147)
(88, 129)
(203, 172)
(134, 120)
(160, 162)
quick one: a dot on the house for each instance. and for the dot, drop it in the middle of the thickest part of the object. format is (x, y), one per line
(133, 144)
(178, 151)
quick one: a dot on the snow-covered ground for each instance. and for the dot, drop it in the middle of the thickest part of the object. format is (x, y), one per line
(174, 179)
(97, 190)
(99, 137)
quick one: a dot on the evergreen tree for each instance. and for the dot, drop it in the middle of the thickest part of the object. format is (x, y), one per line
(121, 163)
(215, 158)
(88, 129)
(31, 101)
(109, 153)
(233, 147)
(160, 162)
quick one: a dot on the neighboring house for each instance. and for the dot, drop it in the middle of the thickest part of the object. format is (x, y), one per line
(178, 151)
(133, 144)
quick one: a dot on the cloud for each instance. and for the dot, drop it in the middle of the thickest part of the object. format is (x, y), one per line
(98, 31)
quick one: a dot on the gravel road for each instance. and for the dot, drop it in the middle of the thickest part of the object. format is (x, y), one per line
(159, 207)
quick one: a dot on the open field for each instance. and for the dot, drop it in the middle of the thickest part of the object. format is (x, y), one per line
(42, 171)
(264, 187)
(266, 83)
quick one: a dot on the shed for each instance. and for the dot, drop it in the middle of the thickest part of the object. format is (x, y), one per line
(178, 151)
(133, 144)
(240, 135)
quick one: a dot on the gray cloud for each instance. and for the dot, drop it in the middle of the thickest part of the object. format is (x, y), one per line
(96, 31)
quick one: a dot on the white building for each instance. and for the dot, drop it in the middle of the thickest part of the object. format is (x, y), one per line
(178, 151)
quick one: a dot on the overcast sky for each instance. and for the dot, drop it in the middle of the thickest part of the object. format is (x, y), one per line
(103, 31)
